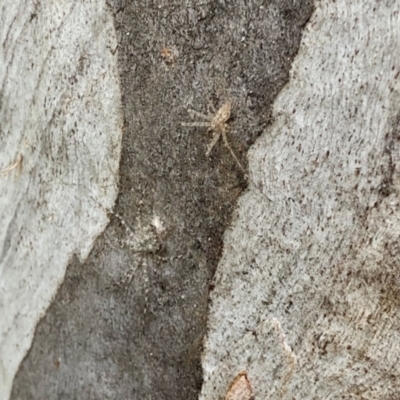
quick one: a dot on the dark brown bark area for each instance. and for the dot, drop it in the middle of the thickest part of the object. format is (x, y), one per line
(142, 340)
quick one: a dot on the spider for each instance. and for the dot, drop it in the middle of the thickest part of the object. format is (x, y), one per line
(217, 123)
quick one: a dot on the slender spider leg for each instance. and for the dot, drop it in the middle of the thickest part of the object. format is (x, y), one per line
(201, 115)
(211, 106)
(204, 124)
(225, 139)
(213, 143)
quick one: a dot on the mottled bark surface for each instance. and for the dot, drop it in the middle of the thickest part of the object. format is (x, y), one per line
(129, 322)
(60, 145)
(306, 297)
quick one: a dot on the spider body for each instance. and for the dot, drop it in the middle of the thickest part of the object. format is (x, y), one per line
(216, 123)
(221, 117)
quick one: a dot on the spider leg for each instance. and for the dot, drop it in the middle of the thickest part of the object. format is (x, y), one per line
(213, 143)
(206, 124)
(225, 139)
(212, 108)
(201, 115)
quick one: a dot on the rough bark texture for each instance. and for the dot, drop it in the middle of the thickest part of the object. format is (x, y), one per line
(305, 299)
(306, 296)
(60, 140)
(129, 322)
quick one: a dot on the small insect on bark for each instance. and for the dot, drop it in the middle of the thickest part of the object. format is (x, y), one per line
(218, 124)
(240, 388)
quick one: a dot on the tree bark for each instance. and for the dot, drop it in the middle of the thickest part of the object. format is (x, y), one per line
(303, 303)
(306, 297)
(60, 139)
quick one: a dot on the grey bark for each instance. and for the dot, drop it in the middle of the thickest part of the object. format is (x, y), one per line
(60, 140)
(306, 296)
(304, 299)
(129, 323)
